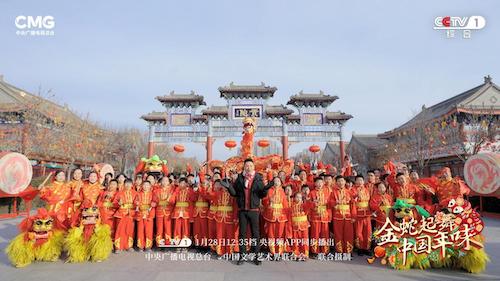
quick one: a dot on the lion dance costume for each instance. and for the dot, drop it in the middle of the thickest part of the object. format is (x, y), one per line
(41, 239)
(450, 239)
(88, 239)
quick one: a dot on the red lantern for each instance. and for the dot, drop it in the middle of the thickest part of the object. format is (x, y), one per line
(314, 148)
(263, 143)
(230, 144)
(179, 148)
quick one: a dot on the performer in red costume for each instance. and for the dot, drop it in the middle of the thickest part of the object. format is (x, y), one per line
(381, 203)
(200, 213)
(275, 215)
(108, 209)
(448, 188)
(371, 181)
(363, 216)
(183, 197)
(163, 198)
(300, 226)
(405, 190)
(90, 190)
(211, 227)
(124, 200)
(344, 214)
(226, 211)
(425, 192)
(320, 218)
(57, 196)
(145, 214)
(76, 184)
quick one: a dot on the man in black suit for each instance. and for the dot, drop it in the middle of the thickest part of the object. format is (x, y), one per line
(248, 188)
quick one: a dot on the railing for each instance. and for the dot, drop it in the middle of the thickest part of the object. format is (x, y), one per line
(15, 210)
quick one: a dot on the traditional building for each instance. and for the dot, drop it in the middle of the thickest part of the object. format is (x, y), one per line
(331, 152)
(42, 130)
(446, 133)
(185, 120)
(365, 152)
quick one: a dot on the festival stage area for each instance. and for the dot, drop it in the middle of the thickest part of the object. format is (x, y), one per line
(136, 266)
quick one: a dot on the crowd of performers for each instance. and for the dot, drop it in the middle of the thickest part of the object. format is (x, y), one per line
(304, 214)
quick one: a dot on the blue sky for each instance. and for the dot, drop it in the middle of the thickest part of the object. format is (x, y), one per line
(382, 58)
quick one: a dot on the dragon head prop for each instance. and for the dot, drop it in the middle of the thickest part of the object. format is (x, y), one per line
(153, 165)
(404, 211)
(248, 125)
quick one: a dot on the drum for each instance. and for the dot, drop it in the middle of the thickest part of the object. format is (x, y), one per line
(482, 172)
(103, 169)
(15, 172)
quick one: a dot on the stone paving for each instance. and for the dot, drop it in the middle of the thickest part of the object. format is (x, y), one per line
(143, 267)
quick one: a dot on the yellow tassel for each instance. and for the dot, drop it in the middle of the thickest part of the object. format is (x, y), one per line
(410, 258)
(421, 262)
(20, 252)
(100, 244)
(50, 250)
(74, 244)
(474, 260)
(445, 262)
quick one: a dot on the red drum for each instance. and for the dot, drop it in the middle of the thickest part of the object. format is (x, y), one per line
(15, 172)
(482, 172)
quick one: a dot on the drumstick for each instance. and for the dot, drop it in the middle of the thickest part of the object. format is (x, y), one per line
(45, 181)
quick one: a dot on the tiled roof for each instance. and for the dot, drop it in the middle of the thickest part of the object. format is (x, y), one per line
(174, 98)
(278, 110)
(369, 141)
(320, 98)
(452, 104)
(155, 116)
(215, 110)
(337, 116)
(246, 91)
(15, 99)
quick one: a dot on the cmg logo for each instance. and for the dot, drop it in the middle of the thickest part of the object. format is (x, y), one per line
(35, 22)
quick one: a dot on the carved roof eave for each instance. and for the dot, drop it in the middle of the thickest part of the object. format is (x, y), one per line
(154, 117)
(249, 91)
(181, 100)
(337, 118)
(312, 100)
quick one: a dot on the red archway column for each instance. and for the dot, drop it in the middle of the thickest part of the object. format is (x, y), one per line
(151, 144)
(210, 141)
(151, 149)
(209, 148)
(284, 140)
(284, 143)
(341, 146)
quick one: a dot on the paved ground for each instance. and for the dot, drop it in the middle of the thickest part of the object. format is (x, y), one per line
(138, 267)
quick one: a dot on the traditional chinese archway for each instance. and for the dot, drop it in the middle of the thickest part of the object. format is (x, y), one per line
(181, 123)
